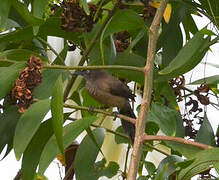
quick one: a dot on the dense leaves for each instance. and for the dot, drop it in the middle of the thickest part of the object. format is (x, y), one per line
(115, 34)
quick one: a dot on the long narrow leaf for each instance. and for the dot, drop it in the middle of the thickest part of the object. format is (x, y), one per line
(57, 112)
(8, 122)
(28, 124)
(4, 11)
(71, 132)
(206, 134)
(188, 57)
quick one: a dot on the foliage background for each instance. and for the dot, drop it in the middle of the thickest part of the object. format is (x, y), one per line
(34, 22)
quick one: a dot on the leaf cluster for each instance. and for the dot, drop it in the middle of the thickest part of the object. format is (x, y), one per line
(39, 138)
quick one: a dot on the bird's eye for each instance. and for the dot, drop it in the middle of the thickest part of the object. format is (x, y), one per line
(88, 71)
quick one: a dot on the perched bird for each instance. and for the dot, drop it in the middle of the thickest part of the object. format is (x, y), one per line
(110, 92)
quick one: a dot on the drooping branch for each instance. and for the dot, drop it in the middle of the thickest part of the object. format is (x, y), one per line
(148, 72)
(146, 137)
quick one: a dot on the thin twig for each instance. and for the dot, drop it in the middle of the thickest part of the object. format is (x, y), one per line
(133, 68)
(146, 137)
(126, 160)
(126, 118)
(148, 70)
(8, 61)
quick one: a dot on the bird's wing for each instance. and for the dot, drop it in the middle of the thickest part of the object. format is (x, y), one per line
(110, 84)
(120, 89)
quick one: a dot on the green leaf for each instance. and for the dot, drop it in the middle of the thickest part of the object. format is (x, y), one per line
(139, 36)
(23, 34)
(206, 134)
(109, 171)
(171, 35)
(189, 25)
(184, 149)
(121, 139)
(211, 7)
(208, 80)
(45, 89)
(8, 75)
(143, 178)
(188, 57)
(89, 132)
(152, 128)
(164, 117)
(30, 162)
(8, 121)
(26, 15)
(52, 27)
(89, 102)
(28, 124)
(19, 55)
(4, 11)
(71, 132)
(85, 6)
(39, 8)
(185, 163)
(203, 160)
(216, 166)
(169, 164)
(129, 59)
(85, 159)
(174, 40)
(46, 29)
(150, 167)
(122, 20)
(57, 112)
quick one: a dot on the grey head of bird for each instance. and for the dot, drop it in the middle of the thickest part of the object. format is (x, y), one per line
(90, 74)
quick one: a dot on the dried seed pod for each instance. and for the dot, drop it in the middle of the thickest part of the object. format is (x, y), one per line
(75, 19)
(122, 41)
(29, 78)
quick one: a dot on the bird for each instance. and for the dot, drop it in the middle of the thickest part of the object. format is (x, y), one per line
(110, 92)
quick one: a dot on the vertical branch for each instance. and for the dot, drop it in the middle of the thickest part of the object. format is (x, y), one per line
(148, 72)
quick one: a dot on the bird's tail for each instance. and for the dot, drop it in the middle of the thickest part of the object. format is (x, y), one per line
(128, 127)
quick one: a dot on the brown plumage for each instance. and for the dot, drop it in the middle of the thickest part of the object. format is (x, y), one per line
(111, 92)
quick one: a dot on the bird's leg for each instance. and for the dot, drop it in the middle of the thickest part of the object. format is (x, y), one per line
(91, 109)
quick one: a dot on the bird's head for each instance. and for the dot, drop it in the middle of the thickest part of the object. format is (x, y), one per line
(90, 74)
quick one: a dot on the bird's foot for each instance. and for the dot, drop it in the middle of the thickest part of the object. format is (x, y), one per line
(91, 109)
(115, 113)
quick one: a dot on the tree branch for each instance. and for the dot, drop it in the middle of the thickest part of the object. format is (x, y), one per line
(146, 137)
(126, 118)
(148, 71)
(132, 68)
